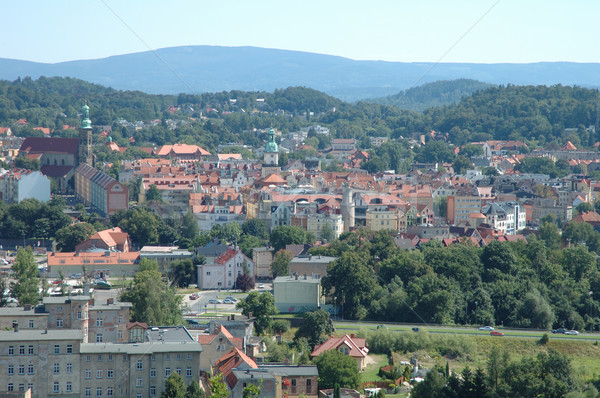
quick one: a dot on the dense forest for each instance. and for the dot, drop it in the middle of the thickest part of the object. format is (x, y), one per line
(537, 284)
(539, 115)
(434, 94)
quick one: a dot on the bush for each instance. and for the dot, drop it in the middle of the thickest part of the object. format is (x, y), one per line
(280, 326)
(544, 339)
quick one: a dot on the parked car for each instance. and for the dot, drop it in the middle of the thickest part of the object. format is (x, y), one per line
(192, 322)
(227, 301)
(496, 333)
(261, 286)
(572, 332)
(231, 298)
(192, 297)
(102, 285)
(559, 331)
(486, 328)
(214, 301)
(415, 329)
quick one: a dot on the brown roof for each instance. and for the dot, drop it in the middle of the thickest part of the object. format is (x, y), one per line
(50, 145)
(231, 360)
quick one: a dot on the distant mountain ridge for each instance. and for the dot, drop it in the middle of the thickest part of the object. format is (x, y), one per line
(198, 69)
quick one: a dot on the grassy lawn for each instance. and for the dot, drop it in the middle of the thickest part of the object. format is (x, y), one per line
(372, 370)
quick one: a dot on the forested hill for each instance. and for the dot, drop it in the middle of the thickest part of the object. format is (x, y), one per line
(538, 114)
(199, 69)
(434, 94)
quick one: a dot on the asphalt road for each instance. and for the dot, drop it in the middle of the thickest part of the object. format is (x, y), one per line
(474, 331)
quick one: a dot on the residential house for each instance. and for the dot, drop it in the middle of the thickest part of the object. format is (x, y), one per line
(113, 239)
(348, 345)
(223, 272)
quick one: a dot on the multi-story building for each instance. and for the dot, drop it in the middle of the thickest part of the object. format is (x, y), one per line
(464, 202)
(100, 190)
(223, 272)
(108, 321)
(19, 184)
(98, 264)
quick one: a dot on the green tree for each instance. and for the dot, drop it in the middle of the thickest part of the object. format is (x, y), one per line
(182, 273)
(287, 235)
(255, 227)
(154, 302)
(141, 225)
(174, 387)
(218, 387)
(584, 207)
(316, 327)
(70, 236)
(153, 194)
(244, 282)
(461, 164)
(189, 226)
(23, 162)
(252, 390)
(550, 234)
(262, 307)
(194, 390)
(25, 288)
(281, 263)
(337, 368)
(352, 281)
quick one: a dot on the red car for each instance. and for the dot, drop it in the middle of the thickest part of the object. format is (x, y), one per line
(496, 333)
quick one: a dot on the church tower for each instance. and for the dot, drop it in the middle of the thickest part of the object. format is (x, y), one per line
(271, 156)
(85, 137)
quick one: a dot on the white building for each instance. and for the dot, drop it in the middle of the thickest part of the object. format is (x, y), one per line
(507, 217)
(224, 271)
(19, 184)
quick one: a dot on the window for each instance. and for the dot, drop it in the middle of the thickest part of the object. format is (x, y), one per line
(139, 365)
(69, 386)
(30, 350)
(11, 370)
(178, 357)
(56, 349)
(88, 392)
(59, 323)
(78, 314)
(88, 358)
(109, 373)
(152, 390)
(138, 382)
(21, 350)
(11, 387)
(99, 358)
(11, 350)
(167, 372)
(110, 358)
(99, 321)
(69, 368)
(120, 320)
(188, 372)
(88, 374)
(109, 392)
(152, 372)
(119, 334)
(99, 338)
(56, 387)
(138, 395)
(98, 391)
(153, 357)
(30, 369)
(189, 357)
(167, 357)
(56, 368)
(22, 387)
(99, 374)
(31, 324)
(178, 370)
(21, 369)
(124, 357)
(30, 387)
(69, 348)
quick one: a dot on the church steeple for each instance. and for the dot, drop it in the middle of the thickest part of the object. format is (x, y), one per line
(271, 157)
(85, 137)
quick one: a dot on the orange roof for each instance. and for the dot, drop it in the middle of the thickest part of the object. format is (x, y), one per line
(225, 156)
(182, 149)
(44, 130)
(357, 346)
(93, 258)
(230, 361)
(274, 179)
(221, 330)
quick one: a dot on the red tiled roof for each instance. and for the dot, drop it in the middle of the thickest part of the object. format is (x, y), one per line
(231, 360)
(357, 346)
(55, 171)
(228, 255)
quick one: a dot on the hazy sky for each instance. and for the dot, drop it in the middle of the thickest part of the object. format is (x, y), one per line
(485, 31)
